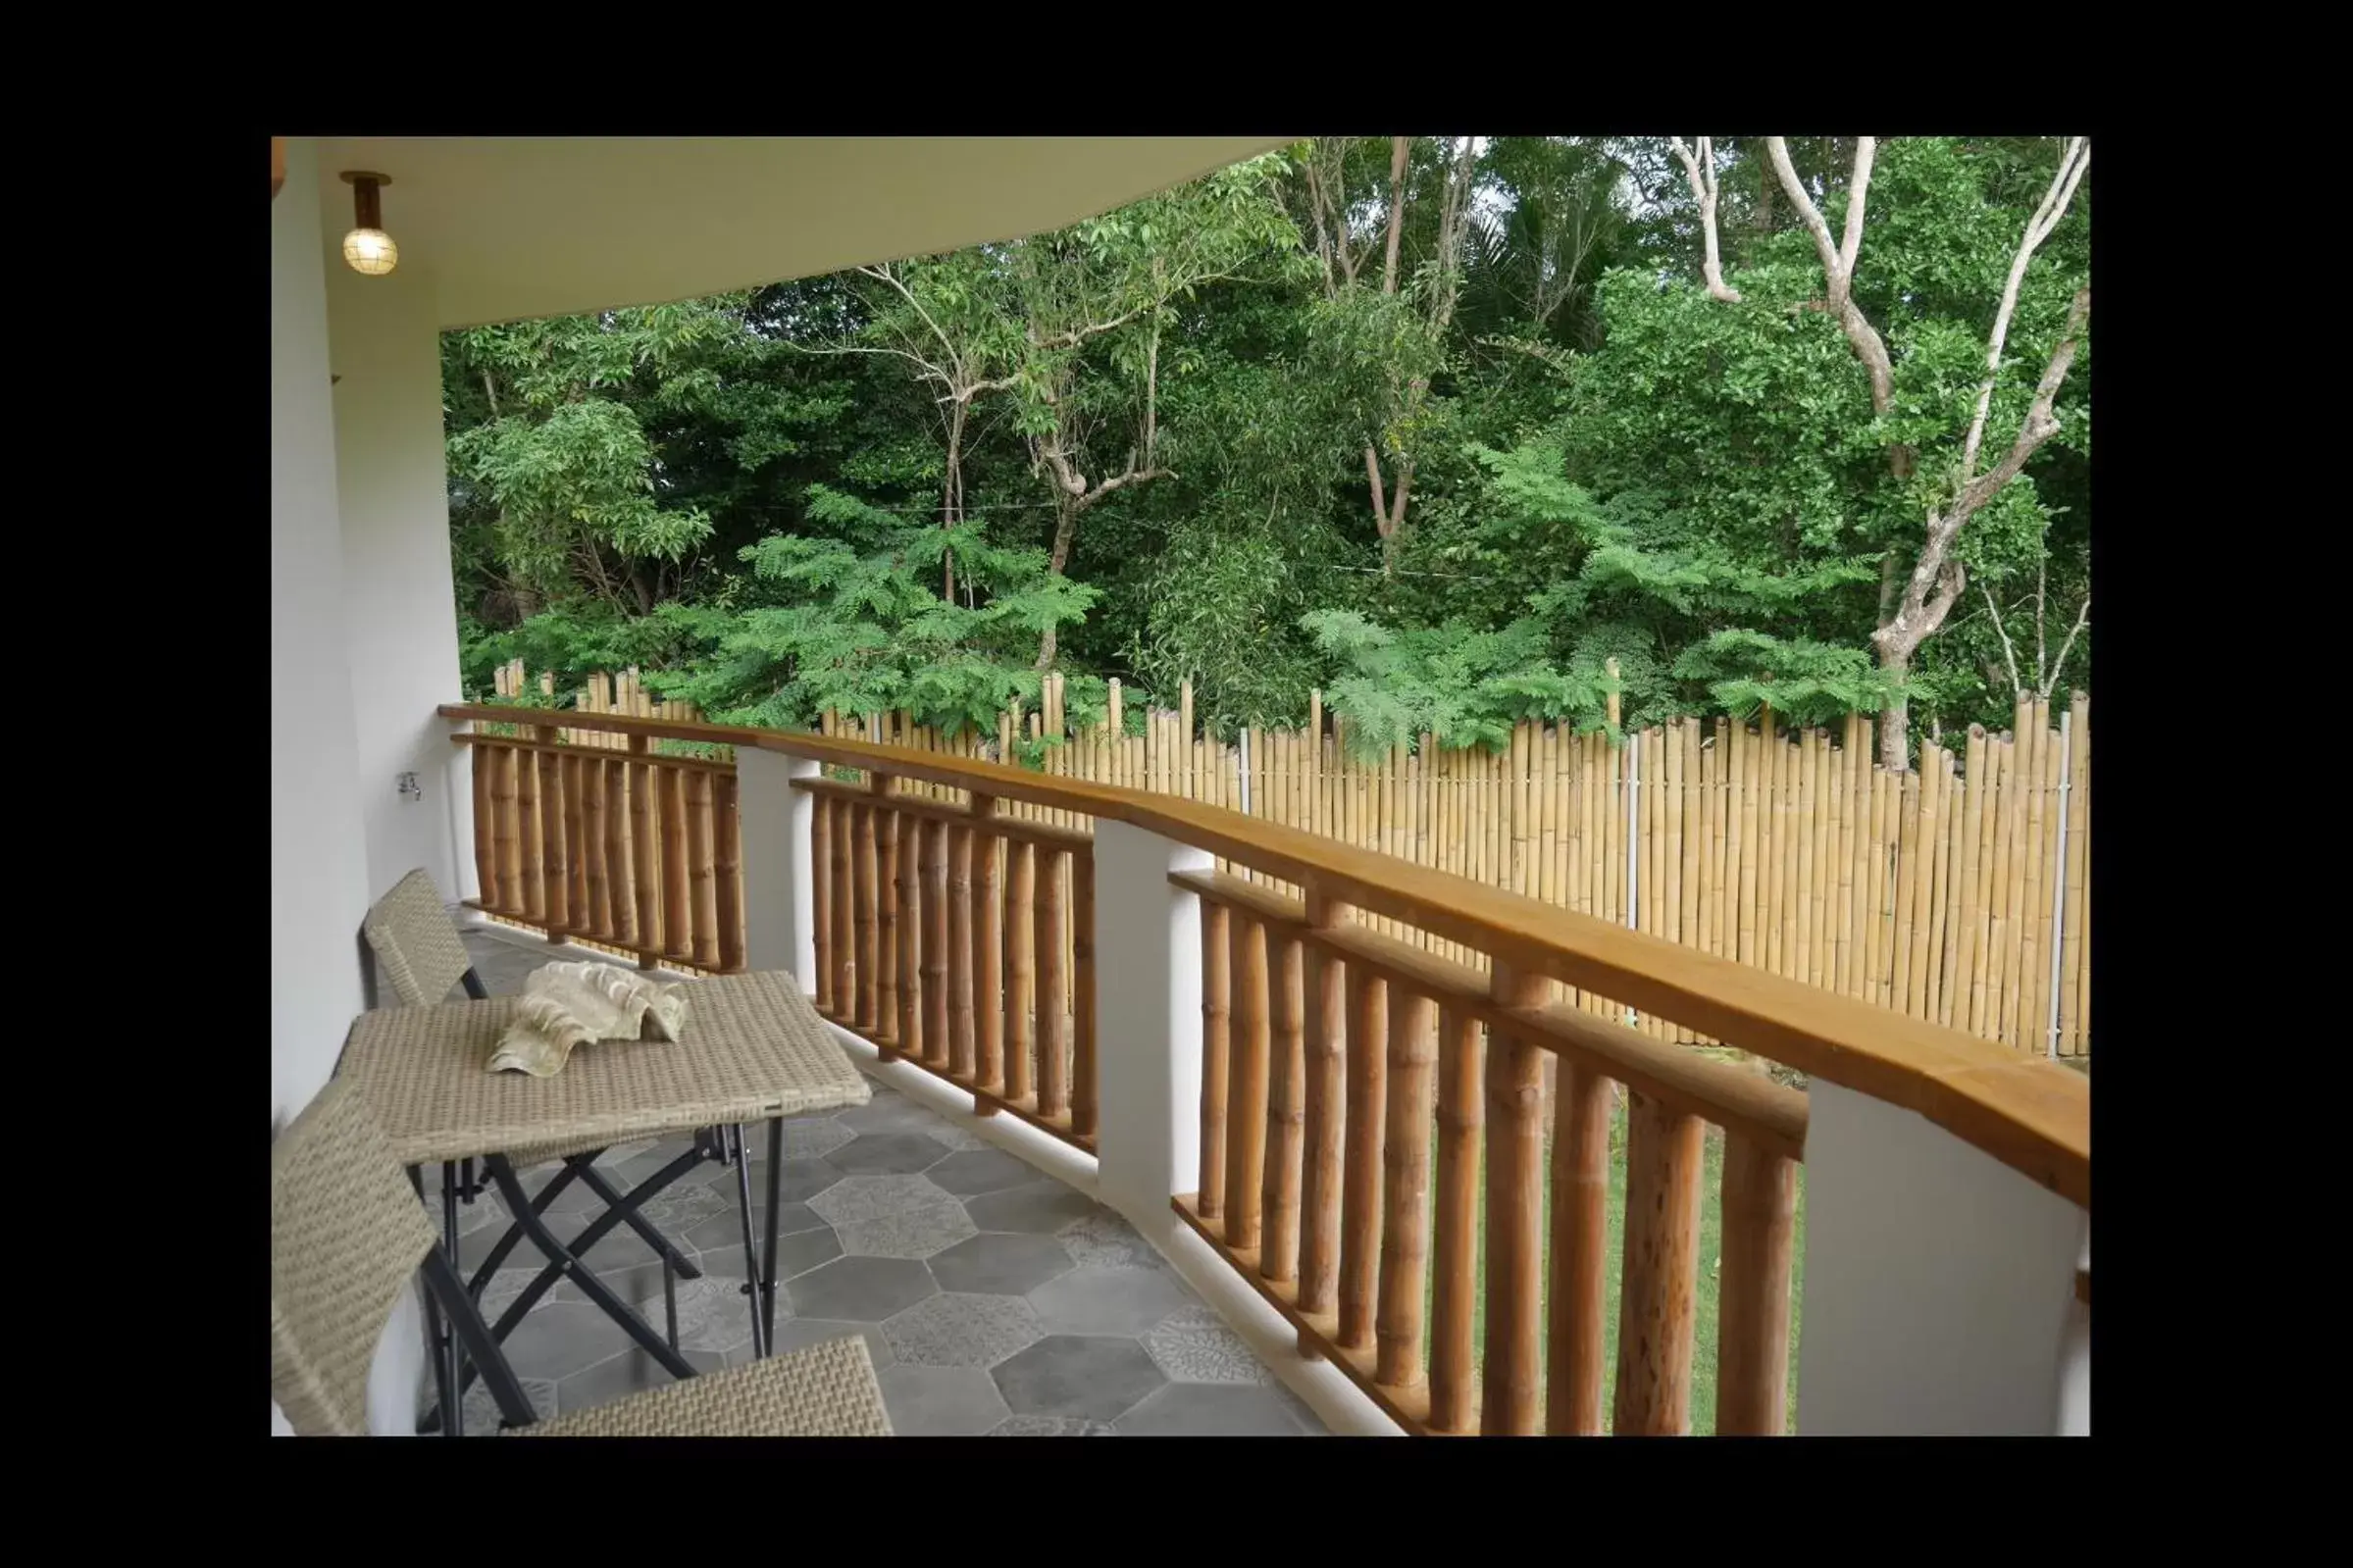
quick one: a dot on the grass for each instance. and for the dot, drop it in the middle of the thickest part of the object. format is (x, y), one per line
(1711, 1230)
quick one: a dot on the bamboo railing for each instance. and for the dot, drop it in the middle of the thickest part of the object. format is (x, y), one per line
(1367, 1101)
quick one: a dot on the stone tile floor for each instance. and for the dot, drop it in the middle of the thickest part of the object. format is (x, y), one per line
(996, 1300)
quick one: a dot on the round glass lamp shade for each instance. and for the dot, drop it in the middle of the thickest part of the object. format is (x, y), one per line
(371, 251)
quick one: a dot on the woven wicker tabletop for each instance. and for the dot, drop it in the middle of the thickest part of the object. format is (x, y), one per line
(752, 1049)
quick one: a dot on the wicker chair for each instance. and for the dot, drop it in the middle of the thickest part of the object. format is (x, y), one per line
(420, 950)
(347, 1235)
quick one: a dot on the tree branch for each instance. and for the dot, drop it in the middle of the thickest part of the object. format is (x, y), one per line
(2009, 654)
(1700, 166)
(2081, 616)
(2072, 165)
(2039, 427)
(1838, 269)
(1396, 210)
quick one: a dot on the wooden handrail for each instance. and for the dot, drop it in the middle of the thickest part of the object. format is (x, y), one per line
(2029, 1113)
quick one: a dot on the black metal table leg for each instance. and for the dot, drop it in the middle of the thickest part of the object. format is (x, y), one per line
(465, 1319)
(453, 1412)
(751, 1261)
(514, 1231)
(646, 1227)
(776, 1162)
(564, 1258)
(434, 1332)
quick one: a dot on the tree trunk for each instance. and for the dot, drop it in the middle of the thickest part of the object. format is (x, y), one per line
(1396, 210)
(1895, 723)
(1067, 523)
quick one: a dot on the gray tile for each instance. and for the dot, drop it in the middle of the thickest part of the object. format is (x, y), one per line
(955, 1137)
(1193, 1344)
(1101, 1239)
(870, 1198)
(797, 1180)
(623, 1153)
(961, 1331)
(1075, 1375)
(977, 1171)
(1210, 1410)
(478, 1411)
(857, 1290)
(618, 1377)
(887, 1112)
(682, 1207)
(1008, 1265)
(713, 1314)
(915, 1233)
(1041, 1209)
(569, 1337)
(639, 1282)
(1109, 1300)
(726, 1233)
(508, 1284)
(795, 1253)
(1051, 1427)
(800, 1333)
(886, 1155)
(940, 1401)
(806, 1137)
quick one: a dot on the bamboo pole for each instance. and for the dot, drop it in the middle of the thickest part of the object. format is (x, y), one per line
(1914, 1000)
(889, 938)
(621, 851)
(933, 869)
(530, 835)
(960, 1059)
(1940, 877)
(863, 1004)
(1749, 761)
(1514, 1216)
(1216, 1014)
(1771, 846)
(2002, 922)
(1360, 1191)
(821, 898)
(727, 869)
(988, 950)
(677, 914)
(909, 857)
(1657, 1304)
(583, 841)
(1760, 1206)
(1285, 1116)
(1580, 1235)
(556, 800)
(593, 892)
(1053, 1042)
(1907, 835)
(1405, 1221)
(1245, 1084)
(645, 827)
(701, 854)
(2079, 817)
(506, 815)
(1021, 965)
(1842, 914)
(1461, 1092)
(479, 766)
(1083, 1079)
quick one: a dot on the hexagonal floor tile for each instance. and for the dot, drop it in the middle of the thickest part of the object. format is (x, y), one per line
(915, 1233)
(887, 1112)
(978, 1170)
(887, 1154)
(1101, 1240)
(1040, 1208)
(795, 1253)
(797, 1179)
(940, 1402)
(800, 1333)
(870, 1198)
(1211, 1410)
(1193, 1344)
(806, 1137)
(1109, 1300)
(961, 1331)
(954, 1137)
(858, 1289)
(1051, 1427)
(1005, 1265)
(1096, 1378)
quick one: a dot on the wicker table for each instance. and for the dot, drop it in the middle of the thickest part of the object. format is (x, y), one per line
(754, 1049)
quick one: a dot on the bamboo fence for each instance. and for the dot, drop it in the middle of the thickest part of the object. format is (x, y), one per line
(1958, 893)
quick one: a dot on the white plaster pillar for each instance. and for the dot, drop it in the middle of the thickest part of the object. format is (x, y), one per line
(780, 881)
(454, 781)
(1147, 1019)
(400, 612)
(1938, 1282)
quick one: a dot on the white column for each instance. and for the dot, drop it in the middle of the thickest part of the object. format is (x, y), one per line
(400, 612)
(1938, 1281)
(780, 881)
(318, 855)
(454, 781)
(1147, 1019)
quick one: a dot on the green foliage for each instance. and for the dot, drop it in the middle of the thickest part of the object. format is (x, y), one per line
(1462, 687)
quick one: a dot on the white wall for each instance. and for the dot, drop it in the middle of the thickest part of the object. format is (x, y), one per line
(1939, 1281)
(318, 870)
(400, 618)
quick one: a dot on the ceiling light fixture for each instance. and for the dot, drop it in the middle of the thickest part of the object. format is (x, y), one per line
(368, 249)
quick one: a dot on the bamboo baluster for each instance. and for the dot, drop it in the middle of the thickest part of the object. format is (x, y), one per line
(727, 869)
(592, 886)
(531, 835)
(1580, 1235)
(1054, 1058)
(910, 1039)
(1940, 887)
(1670, 834)
(886, 915)
(2000, 925)
(1514, 1214)
(1660, 1271)
(1216, 1012)
(2041, 1034)
(621, 852)
(1971, 802)
(1751, 764)
(935, 1050)
(1913, 1000)
(2035, 904)
(987, 952)
(1454, 1306)
(2077, 810)
(1361, 1189)
(1988, 854)
(1326, 1096)
(821, 899)
(701, 852)
(483, 764)
(572, 795)
(1842, 912)
(506, 837)
(1246, 1083)
(645, 827)
(1760, 1206)
(960, 1054)
(677, 914)
(865, 918)
(1405, 1222)
(840, 921)
(1907, 836)
(1770, 842)
(1083, 1079)
(1285, 1114)
(557, 831)
(1021, 961)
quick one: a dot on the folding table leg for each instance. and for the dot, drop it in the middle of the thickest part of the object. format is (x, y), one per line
(646, 1227)
(751, 1261)
(453, 1416)
(434, 1333)
(776, 1162)
(594, 1288)
(465, 1320)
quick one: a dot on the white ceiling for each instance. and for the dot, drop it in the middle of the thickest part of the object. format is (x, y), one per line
(514, 226)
